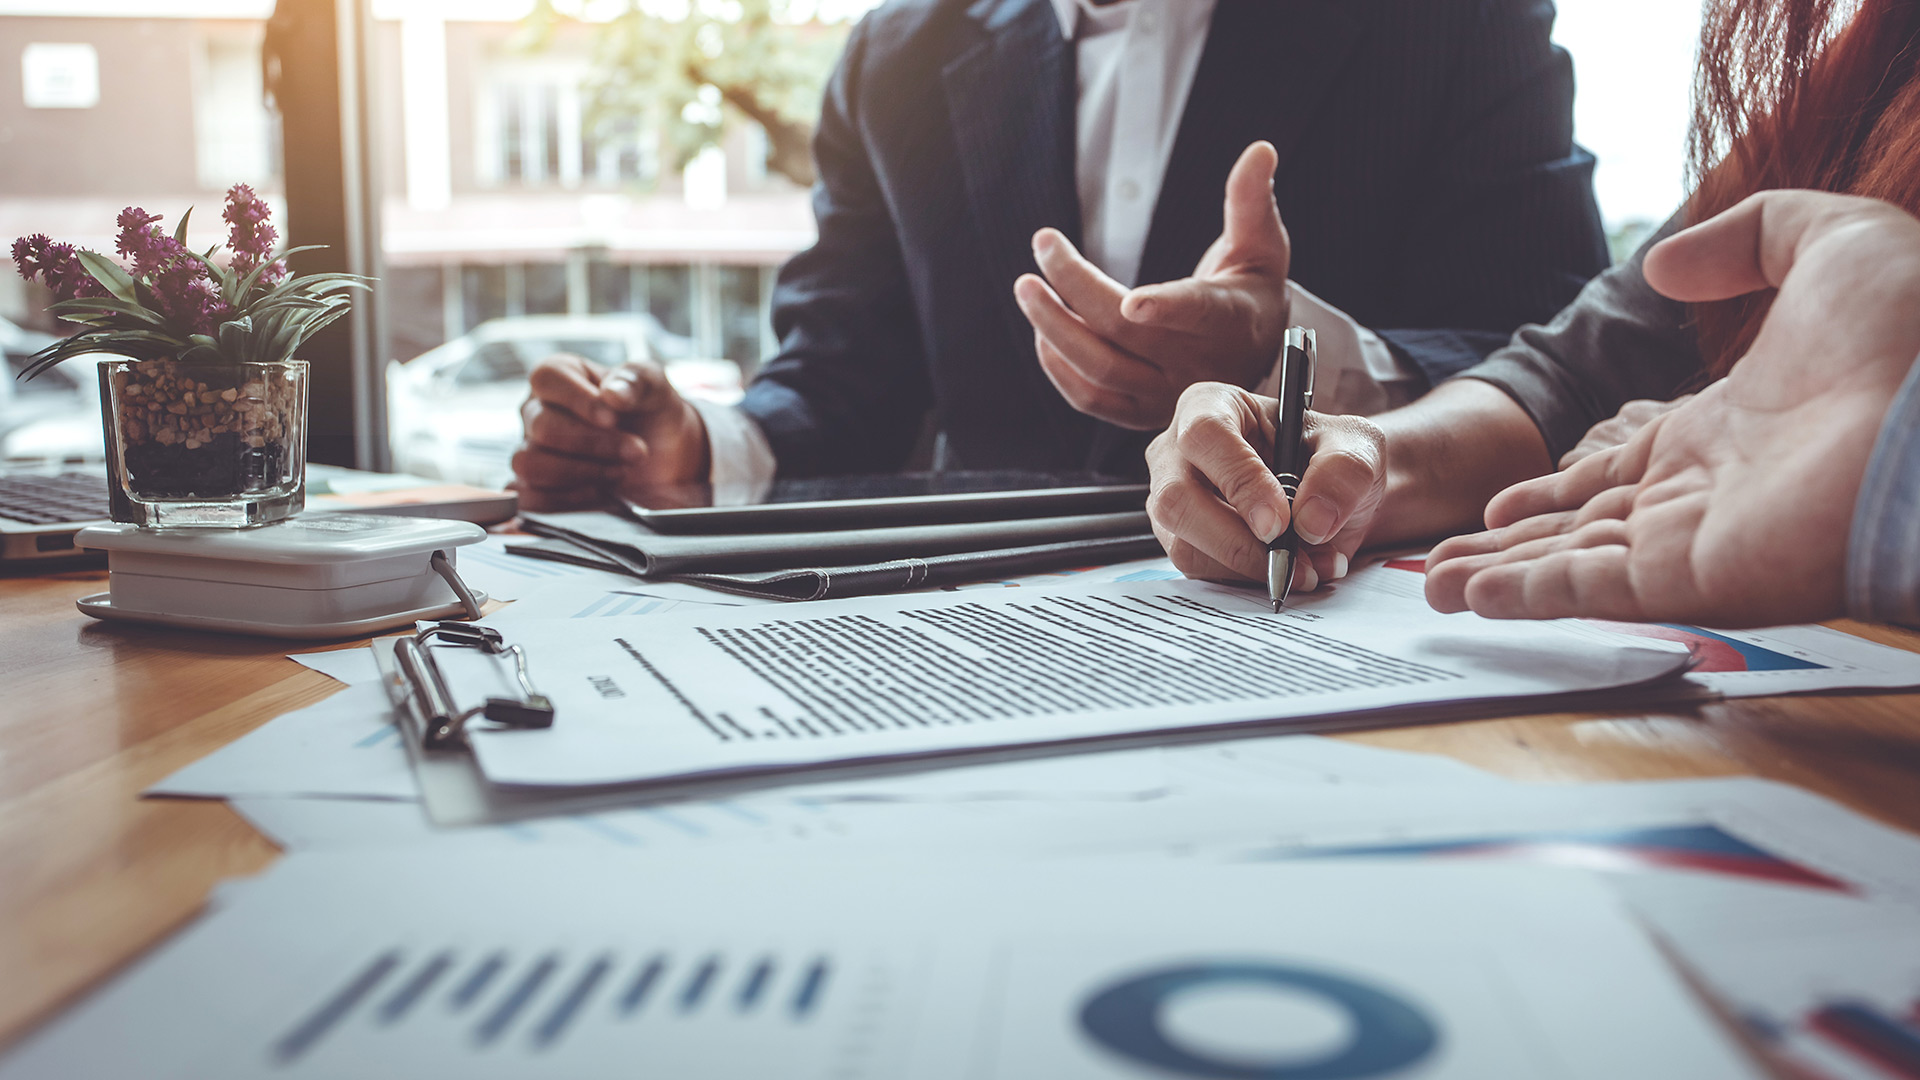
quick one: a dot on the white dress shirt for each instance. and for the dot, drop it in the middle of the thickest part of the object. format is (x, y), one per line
(1136, 61)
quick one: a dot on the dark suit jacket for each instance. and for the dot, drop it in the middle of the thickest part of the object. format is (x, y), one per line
(1427, 175)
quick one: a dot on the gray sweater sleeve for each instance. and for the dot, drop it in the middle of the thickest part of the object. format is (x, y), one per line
(1618, 341)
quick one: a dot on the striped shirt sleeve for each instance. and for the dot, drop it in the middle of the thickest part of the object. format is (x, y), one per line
(1883, 555)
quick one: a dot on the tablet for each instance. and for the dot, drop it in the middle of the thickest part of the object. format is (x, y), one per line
(858, 502)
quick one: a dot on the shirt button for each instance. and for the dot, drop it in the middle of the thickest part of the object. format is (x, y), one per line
(1129, 190)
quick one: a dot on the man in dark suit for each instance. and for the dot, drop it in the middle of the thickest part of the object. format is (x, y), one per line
(1421, 156)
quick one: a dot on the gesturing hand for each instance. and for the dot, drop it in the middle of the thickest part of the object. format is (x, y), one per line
(1732, 509)
(1125, 356)
(593, 433)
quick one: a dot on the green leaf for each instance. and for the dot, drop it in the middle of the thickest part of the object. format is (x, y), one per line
(245, 285)
(142, 346)
(286, 338)
(314, 326)
(180, 230)
(110, 276)
(103, 303)
(233, 337)
(289, 252)
(113, 339)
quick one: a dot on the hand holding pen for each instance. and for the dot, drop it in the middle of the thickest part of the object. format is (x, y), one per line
(1221, 512)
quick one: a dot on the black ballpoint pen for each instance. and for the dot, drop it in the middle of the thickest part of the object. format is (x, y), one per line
(1289, 459)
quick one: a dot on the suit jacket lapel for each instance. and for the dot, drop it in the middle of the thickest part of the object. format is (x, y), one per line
(1266, 66)
(1010, 101)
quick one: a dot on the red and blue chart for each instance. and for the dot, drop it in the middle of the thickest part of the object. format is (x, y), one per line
(1847, 1039)
(1699, 848)
(1715, 652)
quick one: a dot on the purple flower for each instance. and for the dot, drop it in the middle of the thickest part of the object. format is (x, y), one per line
(28, 251)
(57, 266)
(183, 290)
(186, 297)
(250, 234)
(143, 243)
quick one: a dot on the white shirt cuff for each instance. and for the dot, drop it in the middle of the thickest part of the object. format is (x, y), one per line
(1355, 371)
(743, 462)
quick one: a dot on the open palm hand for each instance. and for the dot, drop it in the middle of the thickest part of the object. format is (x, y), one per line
(1733, 508)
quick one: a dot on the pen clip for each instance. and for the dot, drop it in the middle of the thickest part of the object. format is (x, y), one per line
(1306, 342)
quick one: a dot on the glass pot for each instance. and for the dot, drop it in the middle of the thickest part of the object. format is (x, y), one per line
(204, 444)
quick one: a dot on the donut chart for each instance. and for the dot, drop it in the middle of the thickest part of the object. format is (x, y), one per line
(1388, 1032)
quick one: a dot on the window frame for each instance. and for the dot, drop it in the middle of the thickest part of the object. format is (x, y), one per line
(316, 56)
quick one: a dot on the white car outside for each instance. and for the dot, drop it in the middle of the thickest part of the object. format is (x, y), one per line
(453, 412)
(54, 416)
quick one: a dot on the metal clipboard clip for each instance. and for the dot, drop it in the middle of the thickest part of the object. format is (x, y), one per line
(423, 690)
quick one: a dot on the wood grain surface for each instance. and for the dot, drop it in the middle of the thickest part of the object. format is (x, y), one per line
(90, 714)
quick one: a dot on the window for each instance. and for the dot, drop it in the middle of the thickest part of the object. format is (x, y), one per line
(64, 76)
(157, 105)
(535, 198)
(233, 129)
(483, 294)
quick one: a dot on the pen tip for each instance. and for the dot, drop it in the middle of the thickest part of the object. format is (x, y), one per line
(1277, 605)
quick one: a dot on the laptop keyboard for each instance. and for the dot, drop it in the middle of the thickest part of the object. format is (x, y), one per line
(55, 498)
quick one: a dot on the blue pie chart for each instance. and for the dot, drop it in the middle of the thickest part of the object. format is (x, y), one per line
(1388, 1033)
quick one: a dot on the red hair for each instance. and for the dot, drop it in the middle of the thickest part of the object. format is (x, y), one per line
(1818, 94)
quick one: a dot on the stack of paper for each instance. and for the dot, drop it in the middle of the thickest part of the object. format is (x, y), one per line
(418, 964)
(946, 834)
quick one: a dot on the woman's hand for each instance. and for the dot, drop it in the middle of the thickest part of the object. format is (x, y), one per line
(1620, 428)
(1732, 509)
(1215, 503)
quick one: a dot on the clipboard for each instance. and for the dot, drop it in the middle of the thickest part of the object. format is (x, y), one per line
(455, 792)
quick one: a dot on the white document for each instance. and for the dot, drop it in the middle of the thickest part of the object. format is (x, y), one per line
(1248, 767)
(1157, 569)
(593, 600)
(1739, 829)
(1746, 663)
(332, 824)
(487, 566)
(797, 812)
(349, 666)
(343, 747)
(346, 747)
(865, 679)
(1279, 761)
(565, 963)
(1826, 982)
(1786, 659)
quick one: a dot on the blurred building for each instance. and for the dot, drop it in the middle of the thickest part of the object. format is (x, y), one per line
(501, 198)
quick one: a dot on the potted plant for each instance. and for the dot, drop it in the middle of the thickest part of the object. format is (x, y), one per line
(205, 410)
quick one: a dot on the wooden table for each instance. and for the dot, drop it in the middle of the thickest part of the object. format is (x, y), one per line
(91, 714)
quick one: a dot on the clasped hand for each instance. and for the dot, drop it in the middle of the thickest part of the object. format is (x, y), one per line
(592, 433)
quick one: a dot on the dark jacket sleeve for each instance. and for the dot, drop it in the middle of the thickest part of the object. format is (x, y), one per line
(848, 391)
(1509, 231)
(1618, 341)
